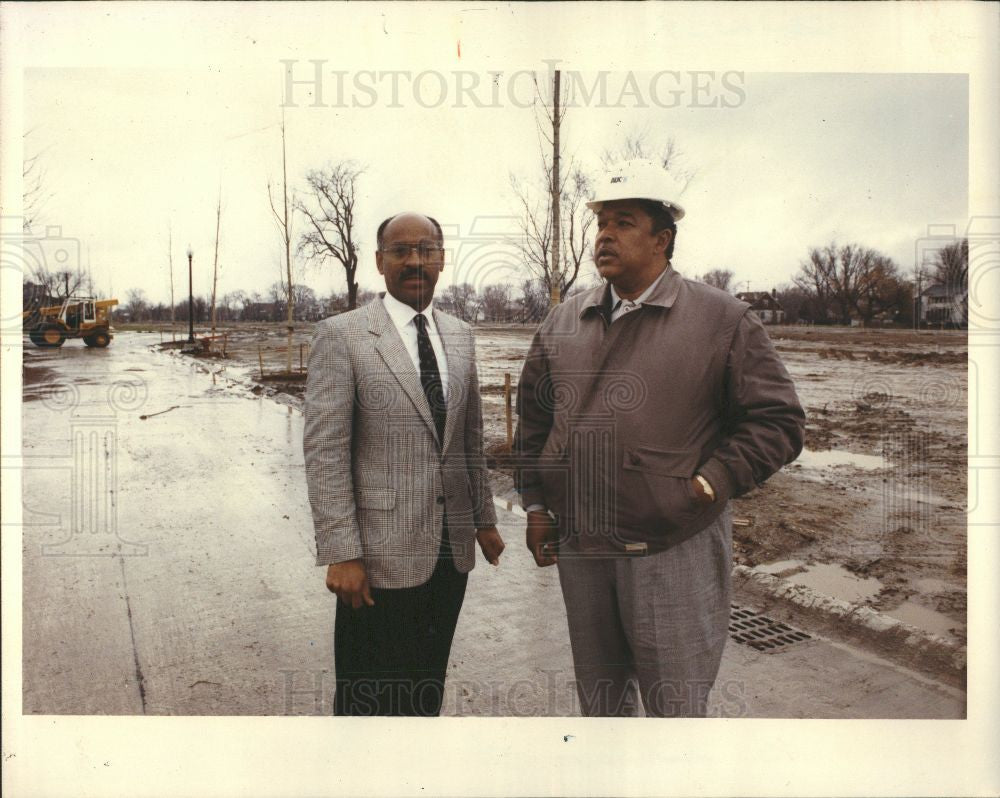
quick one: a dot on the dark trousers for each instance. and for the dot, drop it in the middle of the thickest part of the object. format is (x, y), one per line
(391, 659)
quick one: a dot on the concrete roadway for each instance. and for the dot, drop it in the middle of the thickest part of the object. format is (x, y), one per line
(168, 570)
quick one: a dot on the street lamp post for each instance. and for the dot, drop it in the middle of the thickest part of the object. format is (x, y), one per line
(190, 254)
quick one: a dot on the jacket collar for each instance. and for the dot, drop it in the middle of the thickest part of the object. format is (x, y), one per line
(663, 295)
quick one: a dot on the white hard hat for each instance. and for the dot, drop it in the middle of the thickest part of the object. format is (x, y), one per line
(638, 179)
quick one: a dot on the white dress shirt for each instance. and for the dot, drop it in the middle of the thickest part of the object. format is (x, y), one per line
(402, 317)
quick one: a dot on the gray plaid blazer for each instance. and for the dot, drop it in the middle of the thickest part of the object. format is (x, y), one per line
(380, 482)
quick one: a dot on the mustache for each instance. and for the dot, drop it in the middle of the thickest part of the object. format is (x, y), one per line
(408, 273)
(606, 250)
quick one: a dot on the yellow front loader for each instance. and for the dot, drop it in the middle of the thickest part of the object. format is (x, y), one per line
(76, 317)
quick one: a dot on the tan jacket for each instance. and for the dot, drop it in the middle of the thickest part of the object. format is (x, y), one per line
(379, 479)
(615, 419)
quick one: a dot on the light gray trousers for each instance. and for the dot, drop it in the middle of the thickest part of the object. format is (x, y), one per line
(661, 620)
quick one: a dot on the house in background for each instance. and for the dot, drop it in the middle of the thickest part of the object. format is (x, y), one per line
(765, 305)
(945, 306)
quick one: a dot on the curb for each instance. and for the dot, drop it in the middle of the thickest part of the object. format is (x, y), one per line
(890, 637)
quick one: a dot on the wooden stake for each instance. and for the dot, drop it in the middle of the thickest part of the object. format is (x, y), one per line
(260, 359)
(507, 403)
(300, 358)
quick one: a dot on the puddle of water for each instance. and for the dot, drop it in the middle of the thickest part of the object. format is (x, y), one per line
(781, 567)
(837, 582)
(923, 618)
(834, 457)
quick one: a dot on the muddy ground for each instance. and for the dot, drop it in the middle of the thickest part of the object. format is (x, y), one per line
(873, 511)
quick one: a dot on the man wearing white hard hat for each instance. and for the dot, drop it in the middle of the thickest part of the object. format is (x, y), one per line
(644, 405)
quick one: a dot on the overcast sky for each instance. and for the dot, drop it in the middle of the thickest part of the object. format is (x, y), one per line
(782, 162)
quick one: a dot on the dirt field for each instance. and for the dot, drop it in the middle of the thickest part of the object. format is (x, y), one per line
(873, 511)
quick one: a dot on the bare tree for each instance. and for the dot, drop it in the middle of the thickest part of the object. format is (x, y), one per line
(794, 301)
(461, 301)
(534, 301)
(555, 193)
(882, 290)
(307, 306)
(284, 222)
(277, 298)
(232, 304)
(136, 305)
(496, 302)
(35, 191)
(535, 241)
(200, 309)
(718, 278)
(215, 259)
(951, 266)
(816, 279)
(553, 223)
(330, 221)
(62, 283)
(852, 281)
(850, 263)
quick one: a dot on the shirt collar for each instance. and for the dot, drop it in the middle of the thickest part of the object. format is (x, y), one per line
(662, 292)
(402, 314)
(615, 299)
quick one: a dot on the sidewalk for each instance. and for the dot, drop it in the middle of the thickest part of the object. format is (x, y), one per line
(511, 657)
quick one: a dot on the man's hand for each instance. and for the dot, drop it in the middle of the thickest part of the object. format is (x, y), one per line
(491, 543)
(349, 581)
(541, 530)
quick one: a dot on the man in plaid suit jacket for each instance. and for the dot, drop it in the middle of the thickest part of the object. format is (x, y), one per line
(397, 479)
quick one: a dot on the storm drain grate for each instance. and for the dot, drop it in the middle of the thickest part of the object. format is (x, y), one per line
(760, 632)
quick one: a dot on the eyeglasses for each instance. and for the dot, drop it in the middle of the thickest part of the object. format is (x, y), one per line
(425, 250)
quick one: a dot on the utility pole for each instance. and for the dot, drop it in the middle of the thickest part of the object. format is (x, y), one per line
(284, 222)
(170, 260)
(215, 265)
(555, 289)
(190, 254)
(286, 229)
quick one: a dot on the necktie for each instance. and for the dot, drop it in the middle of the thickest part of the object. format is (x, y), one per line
(430, 377)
